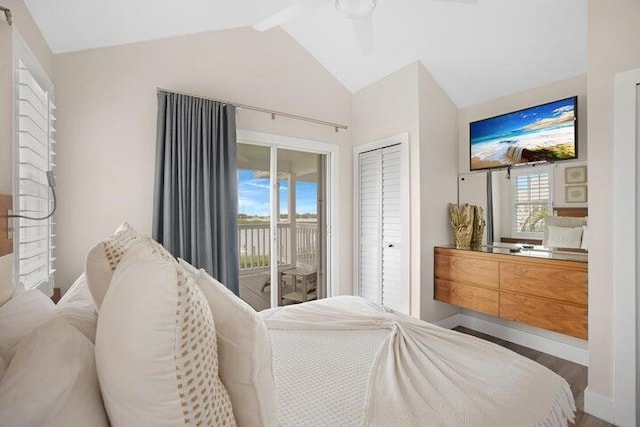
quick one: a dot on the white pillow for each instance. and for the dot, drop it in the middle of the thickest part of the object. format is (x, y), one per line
(19, 316)
(103, 259)
(76, 307)
(560, 221)
(244, 351)
(52, 381)
(564, 237)
(156, 349)
(585, 237)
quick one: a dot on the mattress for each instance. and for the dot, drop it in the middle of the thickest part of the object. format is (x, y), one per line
(322, 376)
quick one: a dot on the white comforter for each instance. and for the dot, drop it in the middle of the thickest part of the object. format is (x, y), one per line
(418, 375)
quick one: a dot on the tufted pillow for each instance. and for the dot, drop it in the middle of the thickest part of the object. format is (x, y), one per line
(52, 380)
(156, 349)
(244, 349)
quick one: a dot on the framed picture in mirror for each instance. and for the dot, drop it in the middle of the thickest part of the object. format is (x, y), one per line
(576, 193)
(575, 175)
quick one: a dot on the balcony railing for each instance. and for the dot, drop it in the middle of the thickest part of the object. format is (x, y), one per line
(294, 248)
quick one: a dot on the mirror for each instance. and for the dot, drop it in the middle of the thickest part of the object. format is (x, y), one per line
(519, 207)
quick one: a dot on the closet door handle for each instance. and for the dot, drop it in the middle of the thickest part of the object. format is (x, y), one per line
(390, 245)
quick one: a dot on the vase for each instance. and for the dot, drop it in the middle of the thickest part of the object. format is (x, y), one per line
(462, 236)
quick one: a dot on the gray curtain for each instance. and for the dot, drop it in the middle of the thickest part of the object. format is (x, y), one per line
(195, 206)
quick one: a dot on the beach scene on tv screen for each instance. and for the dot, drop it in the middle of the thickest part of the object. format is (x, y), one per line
(542, 133)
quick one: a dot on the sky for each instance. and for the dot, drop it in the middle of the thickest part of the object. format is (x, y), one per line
(527, 120)
(253, 195)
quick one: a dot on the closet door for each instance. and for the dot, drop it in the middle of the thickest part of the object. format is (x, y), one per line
(381, 277)
(369, 233)
(391, 227)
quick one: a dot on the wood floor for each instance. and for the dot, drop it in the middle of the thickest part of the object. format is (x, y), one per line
(576, 375)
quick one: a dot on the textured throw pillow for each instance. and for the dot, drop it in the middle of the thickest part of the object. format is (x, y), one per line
(19, 316)
(156, 350)
(564, 237)
(103, 259)
(52, 381)
(244, 351)
(561, 221)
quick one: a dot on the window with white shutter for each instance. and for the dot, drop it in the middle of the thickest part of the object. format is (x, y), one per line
(531, 201)
(34, 156)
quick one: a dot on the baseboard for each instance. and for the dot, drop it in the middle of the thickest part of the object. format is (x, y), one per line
(450, 322)
(599, 406)
(527, 339)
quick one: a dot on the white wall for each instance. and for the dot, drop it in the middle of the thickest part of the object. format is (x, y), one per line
(409, 100)
(614, 46)
(24, 24)
(386, 108)
(438, 184)
(107, 123)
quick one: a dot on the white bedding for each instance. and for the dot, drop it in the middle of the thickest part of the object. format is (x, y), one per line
(418, 375)
(322, 376)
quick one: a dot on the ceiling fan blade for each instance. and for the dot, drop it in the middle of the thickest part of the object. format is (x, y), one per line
(363, 28)
(289, 13)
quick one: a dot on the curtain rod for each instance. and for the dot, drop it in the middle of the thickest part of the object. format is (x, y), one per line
(273, 113)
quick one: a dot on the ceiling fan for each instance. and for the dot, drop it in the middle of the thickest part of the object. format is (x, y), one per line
(359, 11)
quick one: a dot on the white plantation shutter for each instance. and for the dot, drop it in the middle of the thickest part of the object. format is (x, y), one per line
(35, 156)
(531, 201)
(380, 230)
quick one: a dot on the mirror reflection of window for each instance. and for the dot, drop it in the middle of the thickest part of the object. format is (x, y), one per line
(531, 202)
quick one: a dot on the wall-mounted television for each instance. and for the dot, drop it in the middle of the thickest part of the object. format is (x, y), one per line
(544, 133)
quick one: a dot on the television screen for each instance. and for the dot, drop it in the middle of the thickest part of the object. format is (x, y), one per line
(546, 132)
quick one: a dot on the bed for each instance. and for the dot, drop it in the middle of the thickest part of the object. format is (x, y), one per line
(336, 362)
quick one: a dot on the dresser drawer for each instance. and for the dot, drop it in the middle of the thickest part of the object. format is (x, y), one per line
(551, 315)
(467, 296)
(563, 284)
(465, 269)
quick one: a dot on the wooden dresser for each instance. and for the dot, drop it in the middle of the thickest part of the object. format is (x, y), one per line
(542, 289)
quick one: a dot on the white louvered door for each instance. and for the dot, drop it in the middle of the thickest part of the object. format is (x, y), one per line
(391, 228)
(369, 232)
(381, 271)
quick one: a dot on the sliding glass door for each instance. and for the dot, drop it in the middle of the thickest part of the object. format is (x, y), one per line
(282, 225)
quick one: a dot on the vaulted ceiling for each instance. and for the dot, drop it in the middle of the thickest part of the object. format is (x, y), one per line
(476, 51)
